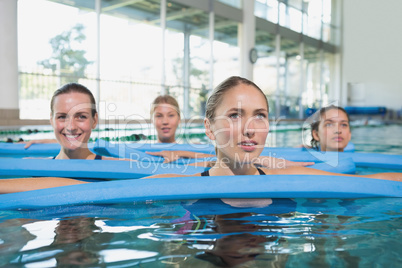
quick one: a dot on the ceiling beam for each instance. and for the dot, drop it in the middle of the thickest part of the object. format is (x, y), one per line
(118, 4)
(179, 14)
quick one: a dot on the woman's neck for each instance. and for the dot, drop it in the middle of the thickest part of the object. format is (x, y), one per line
(167, 141)
(223, 168)
(325, 149)
(82, 153)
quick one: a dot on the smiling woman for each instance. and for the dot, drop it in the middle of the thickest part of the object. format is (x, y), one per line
(73, 116)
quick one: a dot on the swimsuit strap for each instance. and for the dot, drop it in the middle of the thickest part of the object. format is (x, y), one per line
(261, 172)
(205, 173)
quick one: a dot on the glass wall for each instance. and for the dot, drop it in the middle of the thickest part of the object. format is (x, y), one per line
(314, 18)
(312, 92)
(225, 49)
(265, 69)
(130, 60)
(139, 59)
(54, 48)
(234, 3)
(267, 9)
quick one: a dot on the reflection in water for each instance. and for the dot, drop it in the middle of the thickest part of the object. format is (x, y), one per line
(245, 236)
(13, 237)
(80, 241)
(77, 241)
(239, 245)
(206, 233)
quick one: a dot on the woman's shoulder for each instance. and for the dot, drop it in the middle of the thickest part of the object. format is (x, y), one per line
(112, 158)
(171, 176)
(286, 171)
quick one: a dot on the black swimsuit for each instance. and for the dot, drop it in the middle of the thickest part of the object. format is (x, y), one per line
(206, 172)
(97, 157)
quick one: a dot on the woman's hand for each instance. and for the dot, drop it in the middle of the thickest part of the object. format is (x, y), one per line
(29, 143)
(272, 162)
(169, 156)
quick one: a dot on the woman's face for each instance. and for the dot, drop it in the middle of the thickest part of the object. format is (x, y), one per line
(72, 120)
(240, 126)
(166, 120)
(333, 131)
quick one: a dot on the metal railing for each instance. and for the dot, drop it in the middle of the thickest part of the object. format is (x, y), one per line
(128, 98)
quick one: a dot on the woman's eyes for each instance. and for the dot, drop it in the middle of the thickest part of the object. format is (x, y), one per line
(161, 115)
(234, 115)
(238, 115)
(80, 117)
(332, 124)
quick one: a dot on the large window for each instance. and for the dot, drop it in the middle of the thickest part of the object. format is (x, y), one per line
(130, 60)
(267, 9)
(265, 69)
(143, 52)
(56, 45)
(226, 49)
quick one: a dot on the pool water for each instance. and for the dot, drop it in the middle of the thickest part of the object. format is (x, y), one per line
(206, 233)
(215, 233)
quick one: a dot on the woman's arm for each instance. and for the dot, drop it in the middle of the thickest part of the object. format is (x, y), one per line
(171, 156)
(393, 176)
(265, 161)
(29, 143)
(272, 162)
(28, 184)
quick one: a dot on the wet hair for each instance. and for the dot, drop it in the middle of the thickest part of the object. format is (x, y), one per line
(317, 119)
(217, 94)
(165, 99)
(74, 87)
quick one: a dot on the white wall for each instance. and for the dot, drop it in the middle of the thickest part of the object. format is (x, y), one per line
(8, 55)
(372, 50)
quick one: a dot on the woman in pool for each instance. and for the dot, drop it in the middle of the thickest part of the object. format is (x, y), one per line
(330, 130)
(237, 120)
(73, 116)
(165, 114)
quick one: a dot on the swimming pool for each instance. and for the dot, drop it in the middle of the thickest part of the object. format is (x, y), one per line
(206, 233)
(212, 233)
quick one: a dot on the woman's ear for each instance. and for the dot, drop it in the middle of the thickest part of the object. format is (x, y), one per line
(314, 133)
(51, 120)
(95, 121)
(208, 130)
